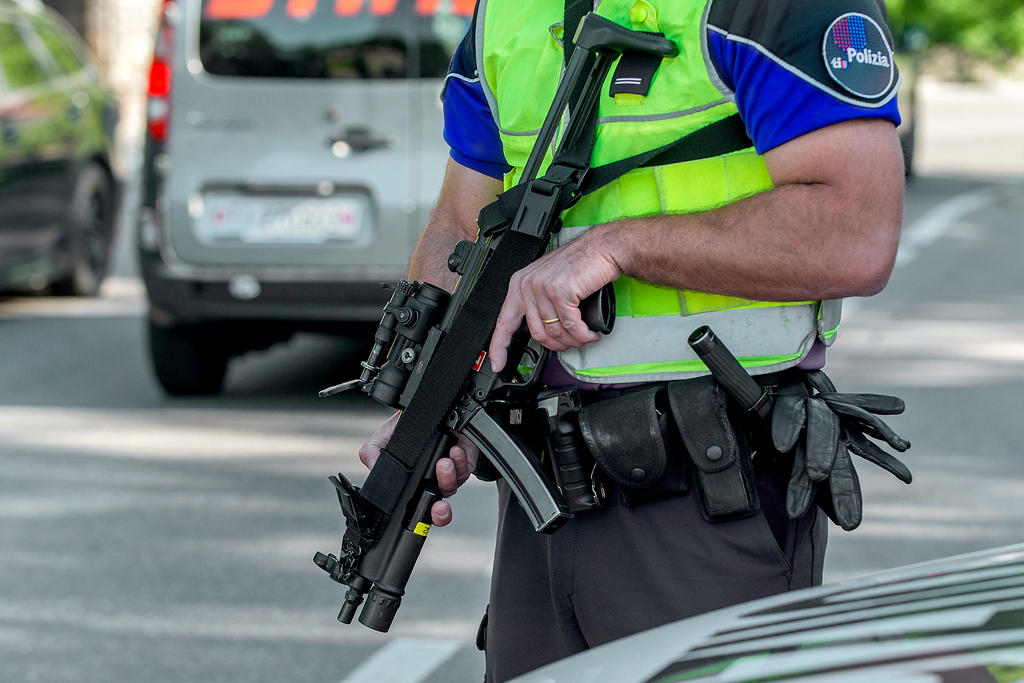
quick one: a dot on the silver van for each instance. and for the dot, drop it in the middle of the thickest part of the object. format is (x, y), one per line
(293, 152)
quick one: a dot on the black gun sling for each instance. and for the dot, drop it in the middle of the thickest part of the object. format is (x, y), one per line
(472, 327)
(442, 380)
(715, 139)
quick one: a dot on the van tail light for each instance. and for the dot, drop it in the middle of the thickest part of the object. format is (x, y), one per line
(158, 89)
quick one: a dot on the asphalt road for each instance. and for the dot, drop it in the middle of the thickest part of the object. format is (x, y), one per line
(170, 540)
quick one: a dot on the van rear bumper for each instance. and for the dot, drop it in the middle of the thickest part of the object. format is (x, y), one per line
(314, 301)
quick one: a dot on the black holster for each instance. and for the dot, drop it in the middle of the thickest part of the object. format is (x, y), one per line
(635, 446)
(723, 470)
(640, 440)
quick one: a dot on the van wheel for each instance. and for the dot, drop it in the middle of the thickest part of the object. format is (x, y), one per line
(187, 361)
(90, 233)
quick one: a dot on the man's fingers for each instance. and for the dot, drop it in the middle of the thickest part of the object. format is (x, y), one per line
(370, 451)
(572, 322)
(368, 454)
(561, 330)
(441, 513)
(460, 459)
(451, 473)
(508, 322)
(470, 449)
(447, 477)
(549, 334)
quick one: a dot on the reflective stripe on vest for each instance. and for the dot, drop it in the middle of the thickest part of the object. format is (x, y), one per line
(520, 66)
(761, 338)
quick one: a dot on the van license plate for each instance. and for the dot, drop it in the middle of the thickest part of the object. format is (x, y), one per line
(222, 218)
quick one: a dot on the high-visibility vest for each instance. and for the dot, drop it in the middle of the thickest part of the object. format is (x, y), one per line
(519, 56)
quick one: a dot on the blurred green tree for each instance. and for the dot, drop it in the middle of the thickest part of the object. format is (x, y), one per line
(992, 30)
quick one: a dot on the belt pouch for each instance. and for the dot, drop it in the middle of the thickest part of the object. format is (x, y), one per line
(625, 439)
(724, 472)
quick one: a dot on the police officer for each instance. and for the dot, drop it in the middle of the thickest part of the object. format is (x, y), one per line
(759, 244)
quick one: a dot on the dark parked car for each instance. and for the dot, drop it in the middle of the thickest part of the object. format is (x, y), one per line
(58, 194)
(958, 619)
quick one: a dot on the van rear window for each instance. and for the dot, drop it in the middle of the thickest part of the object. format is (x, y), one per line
(343, 39)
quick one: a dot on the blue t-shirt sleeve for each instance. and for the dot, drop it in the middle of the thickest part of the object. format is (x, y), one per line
(469, 127)
(776, 104)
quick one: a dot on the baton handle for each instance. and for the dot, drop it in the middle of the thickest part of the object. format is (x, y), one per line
(728, 372)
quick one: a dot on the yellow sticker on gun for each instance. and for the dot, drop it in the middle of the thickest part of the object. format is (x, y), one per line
(421, 529)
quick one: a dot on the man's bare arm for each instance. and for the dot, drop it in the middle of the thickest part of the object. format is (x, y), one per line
(828, 229)
(463, 193)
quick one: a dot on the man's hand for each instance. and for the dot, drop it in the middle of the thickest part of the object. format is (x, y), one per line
(451, 472)
(548, 293)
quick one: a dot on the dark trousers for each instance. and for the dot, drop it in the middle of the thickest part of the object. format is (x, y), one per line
(618, 570)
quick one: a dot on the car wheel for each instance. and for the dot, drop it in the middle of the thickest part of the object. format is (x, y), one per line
(91, 229)
(187, 360)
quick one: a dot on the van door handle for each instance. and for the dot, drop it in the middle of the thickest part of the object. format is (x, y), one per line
(362, 139)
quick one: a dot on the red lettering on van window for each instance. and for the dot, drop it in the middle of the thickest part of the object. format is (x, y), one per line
(382, 8)
(459, 7)
(237, 9)
(347, 8)
(426, 7)
(300, 9)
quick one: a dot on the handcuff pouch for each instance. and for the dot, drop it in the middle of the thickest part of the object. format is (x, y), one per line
(623, 435)
(723, 470)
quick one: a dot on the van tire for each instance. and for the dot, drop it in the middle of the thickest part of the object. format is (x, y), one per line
(90, 233)
(187, 360)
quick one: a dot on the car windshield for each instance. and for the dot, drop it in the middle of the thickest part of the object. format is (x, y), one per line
(341, 39)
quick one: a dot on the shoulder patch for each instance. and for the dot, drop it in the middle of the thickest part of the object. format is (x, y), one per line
(842, 47)
(857, 55)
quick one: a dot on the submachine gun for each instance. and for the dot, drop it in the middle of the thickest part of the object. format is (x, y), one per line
(428, 358)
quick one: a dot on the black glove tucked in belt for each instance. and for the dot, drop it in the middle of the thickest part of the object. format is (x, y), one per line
(833, 425)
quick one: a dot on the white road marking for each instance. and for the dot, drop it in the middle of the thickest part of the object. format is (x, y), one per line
(939, 219)
(935, 223)
(404, 660)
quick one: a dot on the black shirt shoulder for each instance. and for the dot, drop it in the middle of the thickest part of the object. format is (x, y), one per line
(841, 45)
(463, 62)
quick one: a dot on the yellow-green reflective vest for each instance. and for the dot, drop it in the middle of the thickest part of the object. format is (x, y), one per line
(519, 56)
